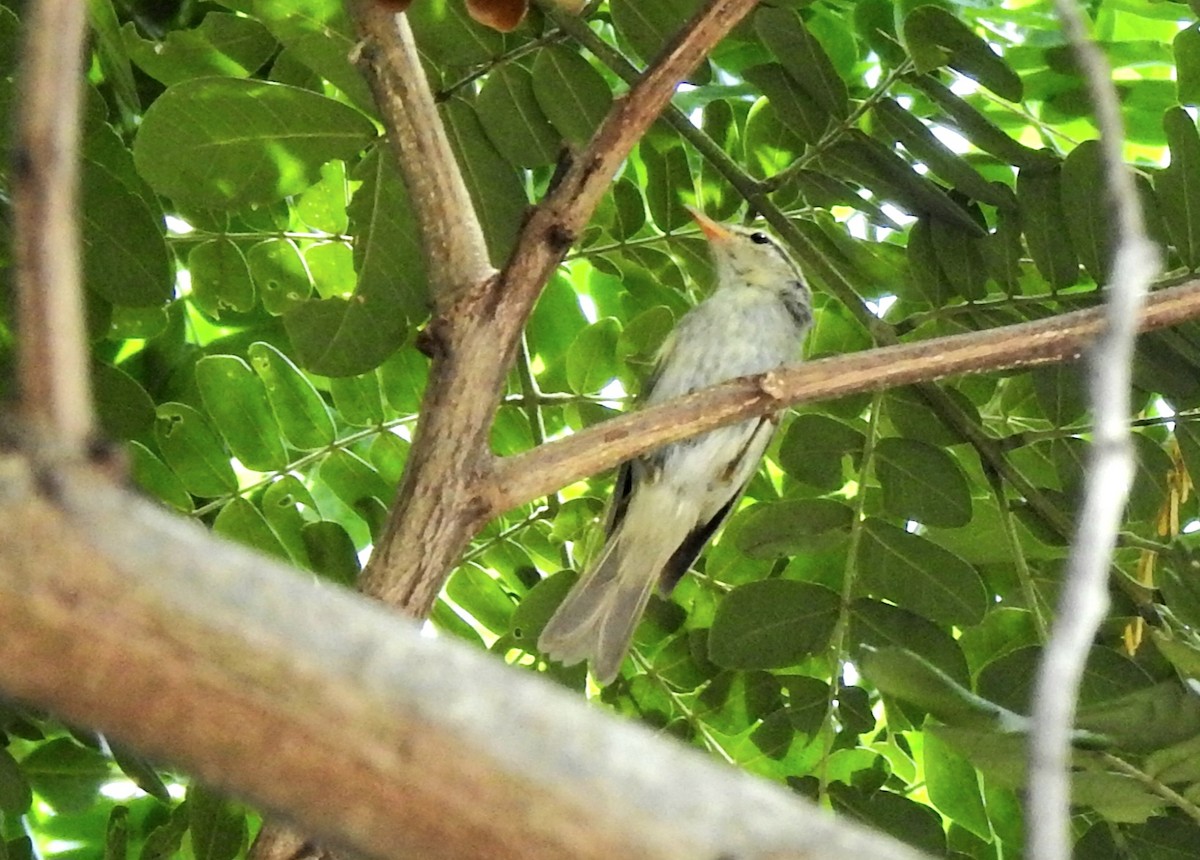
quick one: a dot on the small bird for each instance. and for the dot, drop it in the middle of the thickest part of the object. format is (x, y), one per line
(667, 504)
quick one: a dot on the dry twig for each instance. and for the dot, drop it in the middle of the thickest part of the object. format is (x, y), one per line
(1084, 600)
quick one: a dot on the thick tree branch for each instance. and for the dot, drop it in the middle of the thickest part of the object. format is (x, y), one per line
(528, 476)
(1083, 602)
(475, 342)
(53, 365)
(451, 236)
(124, 617)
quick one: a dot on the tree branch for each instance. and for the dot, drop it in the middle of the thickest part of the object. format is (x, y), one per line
(124, 617)
(1083, 602)
(53, 363)
(543, 470)
(451, 236)
(474, 344)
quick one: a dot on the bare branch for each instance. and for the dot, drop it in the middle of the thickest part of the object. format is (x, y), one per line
(450, 232)
(124, 617)
(56, 395)
(475, 343)
(1083, 602)
(529, 476)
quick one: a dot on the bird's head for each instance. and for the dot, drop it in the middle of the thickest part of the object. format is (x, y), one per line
(750, 257)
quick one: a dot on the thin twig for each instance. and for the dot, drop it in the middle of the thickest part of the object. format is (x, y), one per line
(451, 235)
(53, 364)
(1084, 600)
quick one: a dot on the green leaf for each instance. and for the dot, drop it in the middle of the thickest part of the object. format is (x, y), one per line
(220, 278)
(302, 414)
(980, 130)
(928, 29)
(1040, 197)
(66, 775)
(287, 507)
(784, 33)
(1086, 206)
(125, 259)
(648, 26)
(141, 772)
(919, 575)
(901, 673)
(402, 378)
(923, 483)
(1178, 186)
(916, 137)
(799, 111)
(668, 178)
(116, 834)
(879, 624)
(339, 337)
(901, 817)
(227, 45)
(217, 828)
(236, 400)
(813, 447)
(225, 142)
(388, 453)
(960, 257)
(345, 337)
(15, 793)
(592, 358)
(164, 841)
(193, 451)
(153, 476)
(353, 479)
(114, 59)
(768, 144)
(1003, 250)
(792, 526)
(771, 624)
(929, 282)
(874, 166)
(1061, 391)
(358, 399)
(571, 93)
(482, 596)
(332, 552)
(1187, 64)
(953, 787)
(875, 21)
(124, 408)
(318, 34)
(513, 119)
(447, 34)
(240, 521)
(281, 277)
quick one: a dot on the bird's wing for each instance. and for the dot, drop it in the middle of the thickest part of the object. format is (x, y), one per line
(689, 550)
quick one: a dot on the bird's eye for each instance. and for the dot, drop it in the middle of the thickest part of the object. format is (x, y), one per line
(760, 238)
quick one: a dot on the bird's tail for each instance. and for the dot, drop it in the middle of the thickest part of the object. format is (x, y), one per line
(597, 620)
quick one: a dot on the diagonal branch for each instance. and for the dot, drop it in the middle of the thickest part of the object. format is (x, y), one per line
(123, 617)
(53, 366)
(528, 476)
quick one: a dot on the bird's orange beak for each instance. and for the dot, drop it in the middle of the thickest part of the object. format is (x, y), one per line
(714, 231)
